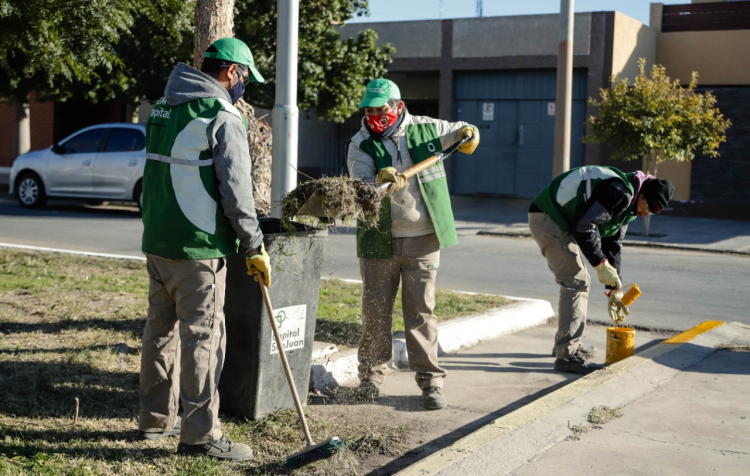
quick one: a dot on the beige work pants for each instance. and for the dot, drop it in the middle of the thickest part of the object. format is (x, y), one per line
(183, 347)
(566, 262)
(415, 263)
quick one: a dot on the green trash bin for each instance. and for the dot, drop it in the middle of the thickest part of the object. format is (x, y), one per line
(253, 383)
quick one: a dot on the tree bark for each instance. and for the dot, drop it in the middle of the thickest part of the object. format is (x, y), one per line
(23, 127)
(214, 19)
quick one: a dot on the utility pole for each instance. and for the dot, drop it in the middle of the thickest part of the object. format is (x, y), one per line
(285, 121)
(479, 8)
(564, 99)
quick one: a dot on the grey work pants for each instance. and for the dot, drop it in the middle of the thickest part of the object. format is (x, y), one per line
(566, 262)
(415, 263)
(183, 347)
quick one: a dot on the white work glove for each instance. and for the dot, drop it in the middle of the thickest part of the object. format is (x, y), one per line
(607, 275)
(617, 309)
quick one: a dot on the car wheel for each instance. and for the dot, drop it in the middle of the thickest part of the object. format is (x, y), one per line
(30, 191)
(138, 195)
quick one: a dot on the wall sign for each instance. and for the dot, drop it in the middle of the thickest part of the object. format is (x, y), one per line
(291, 323)
(488, 111)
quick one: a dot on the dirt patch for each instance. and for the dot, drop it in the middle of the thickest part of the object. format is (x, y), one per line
(734, 347)
(602, 414)
(340, 198)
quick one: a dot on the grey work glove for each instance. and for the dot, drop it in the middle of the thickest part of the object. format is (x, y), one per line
(607, 275)
(617, 309)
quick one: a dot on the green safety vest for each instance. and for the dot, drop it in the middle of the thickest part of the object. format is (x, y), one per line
(182, 213)
(423, 142)
(563, 198)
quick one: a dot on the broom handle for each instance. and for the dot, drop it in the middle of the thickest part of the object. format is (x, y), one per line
(284, 362)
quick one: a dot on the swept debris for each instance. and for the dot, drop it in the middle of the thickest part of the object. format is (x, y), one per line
(334, 198)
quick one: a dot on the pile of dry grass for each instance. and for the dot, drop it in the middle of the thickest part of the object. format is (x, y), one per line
(341, 198)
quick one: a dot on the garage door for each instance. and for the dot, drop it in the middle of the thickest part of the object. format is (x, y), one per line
(514, 111)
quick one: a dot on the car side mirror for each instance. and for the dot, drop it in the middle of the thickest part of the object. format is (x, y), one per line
(58, 149)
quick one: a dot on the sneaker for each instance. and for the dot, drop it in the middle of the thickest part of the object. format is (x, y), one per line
(369, 391)
(433, 398)
(157, 435)
(588, 350)
(222, 449)
(577, 364)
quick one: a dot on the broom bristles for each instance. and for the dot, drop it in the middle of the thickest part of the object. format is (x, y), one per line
(314, 453)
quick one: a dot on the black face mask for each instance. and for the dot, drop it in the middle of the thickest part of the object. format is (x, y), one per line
(237, 91)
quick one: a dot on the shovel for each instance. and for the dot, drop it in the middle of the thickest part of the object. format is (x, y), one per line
(314, 205)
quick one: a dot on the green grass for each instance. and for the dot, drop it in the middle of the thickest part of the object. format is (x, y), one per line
(340, 310)
(71, 328)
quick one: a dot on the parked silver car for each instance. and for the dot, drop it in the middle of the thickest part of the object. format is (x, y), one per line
(98, 163)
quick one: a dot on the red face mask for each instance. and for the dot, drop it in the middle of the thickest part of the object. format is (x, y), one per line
(380, 123)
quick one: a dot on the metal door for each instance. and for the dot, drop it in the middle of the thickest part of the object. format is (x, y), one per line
(514, 111)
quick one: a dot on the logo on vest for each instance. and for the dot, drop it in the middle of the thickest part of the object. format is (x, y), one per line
(162, 113)
(431, 147)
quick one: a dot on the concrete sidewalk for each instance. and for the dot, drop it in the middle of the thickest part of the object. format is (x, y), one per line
(683, 405)
(509, 217)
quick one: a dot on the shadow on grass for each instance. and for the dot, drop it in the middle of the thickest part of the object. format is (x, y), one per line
(120, 348)
(132, 326)
(40, 390)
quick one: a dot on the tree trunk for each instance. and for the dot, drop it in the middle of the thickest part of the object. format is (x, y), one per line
(23, 127)
(214, 19)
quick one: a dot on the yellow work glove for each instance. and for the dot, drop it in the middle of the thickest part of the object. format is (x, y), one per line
(259, 263)
(472, 134)
(397, 179)
(617, 309)
(607, 275)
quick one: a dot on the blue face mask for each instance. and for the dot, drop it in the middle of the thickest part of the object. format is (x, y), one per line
(237, 91)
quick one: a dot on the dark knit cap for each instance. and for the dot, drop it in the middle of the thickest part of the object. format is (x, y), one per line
(658, 193)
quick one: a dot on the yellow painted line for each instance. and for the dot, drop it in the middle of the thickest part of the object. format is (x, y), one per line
(691, 334)
(504, 425)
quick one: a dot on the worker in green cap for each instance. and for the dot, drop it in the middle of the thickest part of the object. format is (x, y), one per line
(416, 221)
(198, 208)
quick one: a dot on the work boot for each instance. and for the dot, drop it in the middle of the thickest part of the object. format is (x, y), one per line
(222, 449)
(577, 364)
(369, 391)
(588, 350)
(433, 398)
(157, 435)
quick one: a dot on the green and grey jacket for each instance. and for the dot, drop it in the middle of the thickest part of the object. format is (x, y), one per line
(423, 206)
(592, 203)
(197, 183)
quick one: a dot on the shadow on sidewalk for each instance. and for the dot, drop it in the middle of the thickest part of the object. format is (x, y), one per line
(412, 456)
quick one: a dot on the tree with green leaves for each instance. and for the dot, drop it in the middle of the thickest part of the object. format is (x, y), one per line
(657, 119)
(332, 71)
(47, 46)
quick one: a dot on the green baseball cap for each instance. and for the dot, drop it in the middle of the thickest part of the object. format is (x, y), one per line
(236, 51)
(378, 92)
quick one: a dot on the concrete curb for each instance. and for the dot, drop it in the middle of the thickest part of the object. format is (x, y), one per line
(340, 368)
(522, 234)
(516, 438)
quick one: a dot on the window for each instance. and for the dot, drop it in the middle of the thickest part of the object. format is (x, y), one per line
(85, 142)
(122, 140)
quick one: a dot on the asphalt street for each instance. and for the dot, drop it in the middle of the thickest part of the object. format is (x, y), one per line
(680, 288)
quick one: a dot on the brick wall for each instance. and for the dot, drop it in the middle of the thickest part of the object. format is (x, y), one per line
(42, 128)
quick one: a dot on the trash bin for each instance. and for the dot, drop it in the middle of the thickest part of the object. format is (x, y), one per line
(253, 383)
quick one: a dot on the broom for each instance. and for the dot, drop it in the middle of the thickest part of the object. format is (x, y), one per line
(312, 452)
